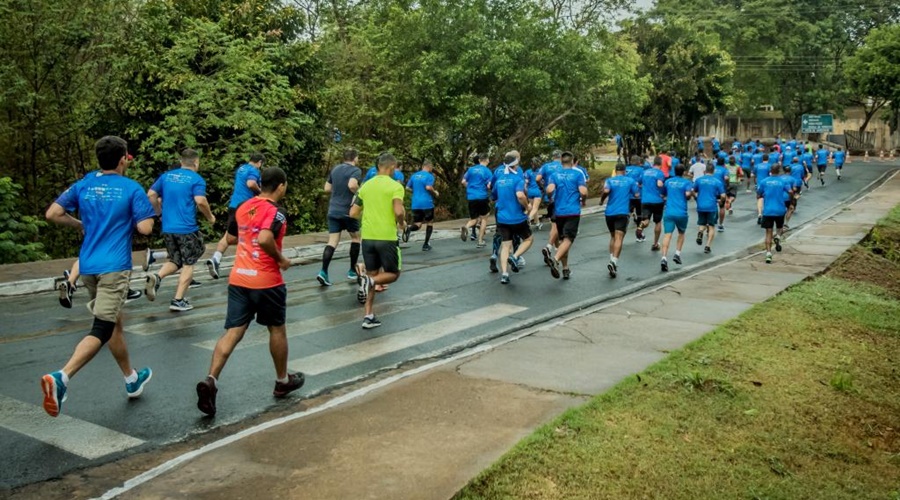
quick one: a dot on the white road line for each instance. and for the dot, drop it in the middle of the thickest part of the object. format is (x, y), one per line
(372, 348)
(75, 436)
(259, 336)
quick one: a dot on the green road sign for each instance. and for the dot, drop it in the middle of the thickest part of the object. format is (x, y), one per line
(815, 124)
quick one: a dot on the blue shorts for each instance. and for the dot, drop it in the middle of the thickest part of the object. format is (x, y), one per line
(338, 223)
(707, 218)
(671, 223)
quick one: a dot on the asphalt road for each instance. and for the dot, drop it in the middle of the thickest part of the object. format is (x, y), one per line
(445, 299)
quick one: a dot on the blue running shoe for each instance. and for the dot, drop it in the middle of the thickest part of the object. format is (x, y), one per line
(54, 393)
(136, 388)
(322, 278)
(351, 275)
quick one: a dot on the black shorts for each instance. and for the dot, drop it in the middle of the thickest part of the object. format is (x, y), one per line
(567, 227)
(507, 231)
(617, 223)
(822, 168)
(652, 210)
(381, 254)
(268, 305)
(479, 208)
(634, 206)
(338, 223)
(184, 249)
(707, 218)
(770, 221)
(423, 215)
(731, 192)
(231, 215)
(551, 211)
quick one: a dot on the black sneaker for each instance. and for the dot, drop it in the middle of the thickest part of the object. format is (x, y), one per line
(180, 305)
(567, 273)
(613, 269)
(153, 281)
(655, 247)
(295, 381)
(406, 232)
(677, 259)
(493, 264)
(464, 233)
(707, 250)
(213, 267)
(504, 279)
(206, 396)
(554, 270)
(664, 265)
(759, 220)
(638, 235)
(369, 323)
(133, 295)
(66, 290)
(700, 238)
(195, 284)
(547, 258)
(823, 180)
(426, 247)
(472, 236)
(777, 244)
(513, 263)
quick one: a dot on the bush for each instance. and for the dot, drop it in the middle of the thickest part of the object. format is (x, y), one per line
(17, 232)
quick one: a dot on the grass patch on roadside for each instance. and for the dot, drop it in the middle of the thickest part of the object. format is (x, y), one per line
(799, 397)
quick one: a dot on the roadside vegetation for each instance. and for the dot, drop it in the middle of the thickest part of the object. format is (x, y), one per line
(799, 397)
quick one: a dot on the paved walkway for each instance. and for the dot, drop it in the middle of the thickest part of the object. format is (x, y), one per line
(424, 433)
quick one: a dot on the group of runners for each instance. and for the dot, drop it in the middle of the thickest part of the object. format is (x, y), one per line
(371, 209)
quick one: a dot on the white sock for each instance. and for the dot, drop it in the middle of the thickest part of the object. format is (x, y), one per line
(283, 380)
(614, 260)
(65, 378)
(159, 255)
(217, 256)
(131, 378)
(369, 316)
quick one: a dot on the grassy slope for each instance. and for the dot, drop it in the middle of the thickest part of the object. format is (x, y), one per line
(799, 397)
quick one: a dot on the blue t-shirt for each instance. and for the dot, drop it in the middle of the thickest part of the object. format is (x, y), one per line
(177, 189)
(699, 143)
(548, 169)
(566, 194)
(477, 178)
(675, 162)
(807, 159)
(821, 156)
(788, 157)
(721, 173)
(756, 159)
(505, 189)
(650, 190)
(716, 146)
(373, 171)
(746, 160)
(839, 157)
(708, 189)
(797, 171)
(723, 155)
(791, 182)
(774, 192)
(761, 170)
(421, 197)
(676, 190)
(110, 207)
(245, 173)
(793, 144)
(621, 189)
(534, 191)
(636, 172)
(737, 145)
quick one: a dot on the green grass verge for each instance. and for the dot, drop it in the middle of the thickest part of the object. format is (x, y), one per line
(799, 397)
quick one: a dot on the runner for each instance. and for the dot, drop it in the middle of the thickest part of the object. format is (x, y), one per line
(176, 196)
(716, 147)
(111, 207)
(755, 161)
(822, 156)
(246, 186)
(652, 202)
(343, 182)
(773, 191)
(698, 169)
(677, 191)
(380, 204)
(534, 194)
(761, 173)
(636, 172)
(675, 162)
(807, 159)
(710, 193)
(839, 157)
(510, 166)
(477, 180)
(700, 146)
(568, 187)
(746, 163)
(543, 178)
(421, 184)
(256, 287)
(512, 218)
(735, 174)
(620, 189)
(373, 171)
(721, 173)
(796, 184)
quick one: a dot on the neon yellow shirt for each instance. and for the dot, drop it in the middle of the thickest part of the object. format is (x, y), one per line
(377, 197)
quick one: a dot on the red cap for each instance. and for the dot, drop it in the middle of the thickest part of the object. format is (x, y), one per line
(130, 157)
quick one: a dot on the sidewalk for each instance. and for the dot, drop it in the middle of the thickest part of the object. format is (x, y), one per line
(424, 433)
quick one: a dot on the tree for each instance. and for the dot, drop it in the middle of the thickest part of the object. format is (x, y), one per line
(18, 233)
(874, 70)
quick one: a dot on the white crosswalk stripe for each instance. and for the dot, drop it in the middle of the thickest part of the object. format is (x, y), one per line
(75, 436)
(355, 353)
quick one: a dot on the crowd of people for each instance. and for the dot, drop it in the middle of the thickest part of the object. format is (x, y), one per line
(371, 209)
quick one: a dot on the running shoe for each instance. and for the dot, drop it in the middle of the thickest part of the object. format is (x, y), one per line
(822, 179)
(513, 263)
(180, 305)
(472, 236)
(66, 290)
(839, 177)
(805, 183)
(768, 257)
(295, 381)
(136, 388)
(639, 235)
(426, 247)
(322, 278)
(363, 284)
(521, 262)
(351, 275)
(777, 243)
(731, 210)
(54, 393)
(493, 264)
(664, 265)
(195, 284)
(369, 323)
(677, 259)
(567, 273)
(152, 286)
(613, 269)
(133, 295)
(554, 270)
(206, 396)
(707, 250)
(547, 258)
(655, 247)
(480, 244)
(720, 228)
(787, 228)
(406, 232)
(464, 233)
(148, 260)
(700, 238)
(212, 266)
(504, 279)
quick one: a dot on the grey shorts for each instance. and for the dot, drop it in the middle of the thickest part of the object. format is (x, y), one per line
(184, 249)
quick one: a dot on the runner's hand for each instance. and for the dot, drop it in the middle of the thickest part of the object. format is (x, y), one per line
(284, 264)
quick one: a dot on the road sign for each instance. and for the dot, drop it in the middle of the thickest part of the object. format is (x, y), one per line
(815, 124)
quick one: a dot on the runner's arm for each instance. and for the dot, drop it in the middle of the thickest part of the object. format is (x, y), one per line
(203, 206)
(145, 226)
(156, 201)
(353, 184)
(356, 207)
(327, 187)
(267, 243)
(58, 215)
(254, 186)
(399, 212)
